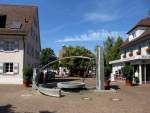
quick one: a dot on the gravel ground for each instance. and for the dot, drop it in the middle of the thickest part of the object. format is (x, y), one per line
(17, 99)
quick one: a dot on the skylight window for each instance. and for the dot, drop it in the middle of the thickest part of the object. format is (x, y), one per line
(15, 25)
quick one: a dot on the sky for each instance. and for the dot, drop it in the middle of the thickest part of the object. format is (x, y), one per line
(84, 22)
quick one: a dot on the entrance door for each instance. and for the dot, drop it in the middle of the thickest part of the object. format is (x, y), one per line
(148, 73)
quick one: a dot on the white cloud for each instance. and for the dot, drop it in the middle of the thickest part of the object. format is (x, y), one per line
(99, 17)
(92, 36)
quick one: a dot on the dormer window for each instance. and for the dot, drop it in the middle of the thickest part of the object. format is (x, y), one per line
(2, 21)
(15, 25)
(148, 43)
(134, 34)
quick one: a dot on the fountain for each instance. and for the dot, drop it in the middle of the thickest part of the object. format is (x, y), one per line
(53, 89)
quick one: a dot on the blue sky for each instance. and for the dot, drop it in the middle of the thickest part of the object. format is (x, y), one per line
(84, 22)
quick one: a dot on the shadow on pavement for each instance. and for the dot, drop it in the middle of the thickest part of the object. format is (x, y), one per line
(116, 87)
(61, 80)
(47, 112)
(7, 109)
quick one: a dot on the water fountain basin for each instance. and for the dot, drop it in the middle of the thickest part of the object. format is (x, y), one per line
(70, 85)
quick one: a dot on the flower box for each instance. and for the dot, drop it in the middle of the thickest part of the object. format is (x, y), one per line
(138, 52)
(130, 54)
(124, 56)
(148, 50)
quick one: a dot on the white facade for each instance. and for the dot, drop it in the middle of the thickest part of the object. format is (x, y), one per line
(136, 33)
(19, 41)
(16, 58)
(136, 53)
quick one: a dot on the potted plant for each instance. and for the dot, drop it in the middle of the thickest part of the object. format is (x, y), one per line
(130, 54)
(127, 71)
(124, 56)
(136, 79)
(138, 52)
(107, 72)
(27, 75)
(148, 49)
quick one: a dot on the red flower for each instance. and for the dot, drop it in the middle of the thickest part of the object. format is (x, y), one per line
(138, 52)
(148, 50)
(130, 54)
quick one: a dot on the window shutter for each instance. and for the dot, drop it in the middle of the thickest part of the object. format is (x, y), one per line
(1, 68)
(1, 45)
(16, 68)
(16, 45)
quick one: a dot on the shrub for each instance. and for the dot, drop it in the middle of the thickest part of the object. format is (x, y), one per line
(27, 73)
(127, 71)
(107, 71)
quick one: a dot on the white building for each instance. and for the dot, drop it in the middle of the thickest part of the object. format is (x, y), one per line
(136, 51)
(19, 41)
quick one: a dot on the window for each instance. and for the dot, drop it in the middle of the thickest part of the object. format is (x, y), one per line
(139, 48)
(16, 25)
(2, 21)
(134, 34)
(10, 45)
(148, 43)
(8, 67)
(1, 45)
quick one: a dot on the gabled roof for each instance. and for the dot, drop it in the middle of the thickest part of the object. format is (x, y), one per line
(19, 19)
(143, 23)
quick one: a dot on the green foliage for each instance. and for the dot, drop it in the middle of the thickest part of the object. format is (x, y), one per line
(107, 45)
(47, 55)
(127, 71)
(27, 73)
(111, 52)
(136, 79)
(75, 63)
(107, 71)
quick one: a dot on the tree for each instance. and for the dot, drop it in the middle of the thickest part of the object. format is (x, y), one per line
(115, 50)
(112, 52)
(47, 55)
(75, 64)
(108, 44)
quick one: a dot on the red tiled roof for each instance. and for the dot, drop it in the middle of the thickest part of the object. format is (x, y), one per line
(18, 13)
(143, 23)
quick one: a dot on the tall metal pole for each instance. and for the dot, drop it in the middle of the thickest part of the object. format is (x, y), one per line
(99, 69)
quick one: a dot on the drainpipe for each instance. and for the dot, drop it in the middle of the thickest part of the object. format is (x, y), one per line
(23, 51)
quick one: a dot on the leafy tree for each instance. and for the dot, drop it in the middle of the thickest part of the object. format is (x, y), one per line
(115, 50)
(111, 52)
(47, 55)
(108, 44)
(75, 64)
